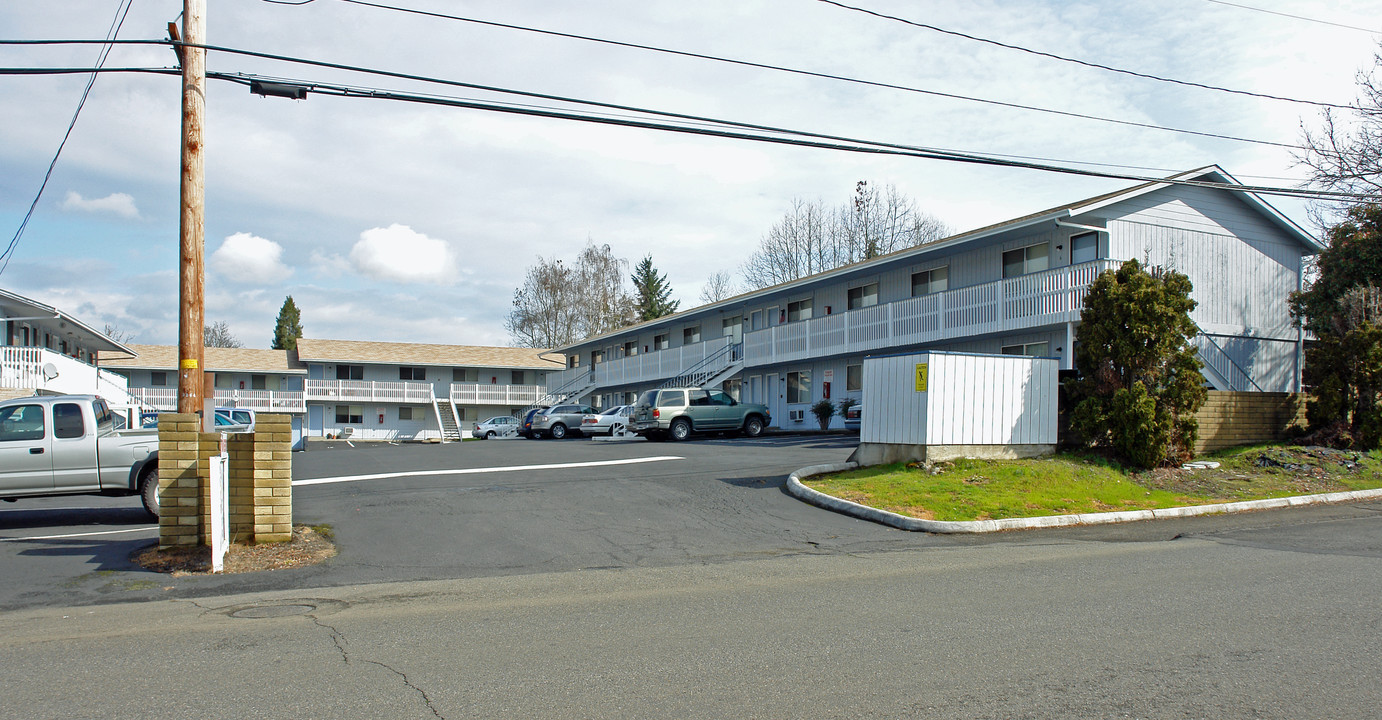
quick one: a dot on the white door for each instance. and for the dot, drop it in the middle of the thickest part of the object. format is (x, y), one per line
(776, 403)
(755, 320)
(755, 393)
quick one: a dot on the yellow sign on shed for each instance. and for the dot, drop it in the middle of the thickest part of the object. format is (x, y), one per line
(922, 371)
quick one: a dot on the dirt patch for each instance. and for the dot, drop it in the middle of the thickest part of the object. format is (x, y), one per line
(1276, 470)
(308, 547)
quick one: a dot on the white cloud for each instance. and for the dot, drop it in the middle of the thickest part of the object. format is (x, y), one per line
(250, 259)
(119, 203)
(400, 254)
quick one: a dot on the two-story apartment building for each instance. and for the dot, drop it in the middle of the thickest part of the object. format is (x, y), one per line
(1016, 287)
(43, 349)
(378, 391)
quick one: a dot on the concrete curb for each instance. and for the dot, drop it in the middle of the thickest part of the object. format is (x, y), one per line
(903, 522)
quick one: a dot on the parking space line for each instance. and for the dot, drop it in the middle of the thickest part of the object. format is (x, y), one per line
(483, 470)
(85, 534)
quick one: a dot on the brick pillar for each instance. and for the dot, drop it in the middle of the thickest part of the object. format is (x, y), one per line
(179, 480)
(273, 478)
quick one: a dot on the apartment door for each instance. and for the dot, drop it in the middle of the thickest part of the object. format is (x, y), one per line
(774, 315)
(755, 320)
(755, 389)
(775, 401)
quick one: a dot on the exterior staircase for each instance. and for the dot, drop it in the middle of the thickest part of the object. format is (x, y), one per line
(713, 370)
(446, 420)
(1220, 369)
(573, 389)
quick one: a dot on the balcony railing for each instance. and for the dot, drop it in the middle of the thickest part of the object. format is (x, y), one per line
(26, 368)
(351, 391)
(1044, 298)
(481, 394)
(278, 401)
(658, 365)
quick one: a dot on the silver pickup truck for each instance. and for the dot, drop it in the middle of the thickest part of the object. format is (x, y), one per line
(68, 445)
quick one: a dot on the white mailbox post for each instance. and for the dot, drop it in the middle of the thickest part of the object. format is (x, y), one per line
(220, 507)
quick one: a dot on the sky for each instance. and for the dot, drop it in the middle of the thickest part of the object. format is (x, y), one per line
(402, 222)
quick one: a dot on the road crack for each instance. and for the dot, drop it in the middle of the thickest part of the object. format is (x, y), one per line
(342, 645)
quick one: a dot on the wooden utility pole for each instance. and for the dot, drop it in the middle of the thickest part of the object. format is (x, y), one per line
(192, 241)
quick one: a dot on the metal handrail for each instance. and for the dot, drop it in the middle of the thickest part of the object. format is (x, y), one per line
(1228, 358)
(688, 378)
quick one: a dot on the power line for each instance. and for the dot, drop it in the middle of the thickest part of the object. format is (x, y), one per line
(1296, 17)
(121, 12)
(1085, 63)
(827, 76)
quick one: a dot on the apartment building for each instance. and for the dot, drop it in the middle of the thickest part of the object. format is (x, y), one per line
(44, 349)
(1016, 287)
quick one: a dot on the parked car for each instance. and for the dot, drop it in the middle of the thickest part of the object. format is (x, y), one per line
(560, 420)
(228, 420)
(498, 425)
(853, 415)
(603, 424)
(675, 413)
(526, 428)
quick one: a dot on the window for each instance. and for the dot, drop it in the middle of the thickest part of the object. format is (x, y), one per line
(517, 377)
(1039, 349)
(412, 373)
(631, 348)
(406, 413)
(158, 378)
(573, 361)
(854, 378)
(699, 398)
(350, 372)
(1026, 260)
(732, 327)
(691, 335)
(597, 357)
(21, 422)
(222, 380)
(67, 420)
(671, 398)
(346, 414)
(660, 342)
(1084, 248)
(863, 296)
(931, 281)
(799, 310)
(799, 386)
(719, 397)
(258, 382)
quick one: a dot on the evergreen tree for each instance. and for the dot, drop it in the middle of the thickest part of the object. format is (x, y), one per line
(651, 292)
(1139, 382)
(288, 329)
(1343, 308)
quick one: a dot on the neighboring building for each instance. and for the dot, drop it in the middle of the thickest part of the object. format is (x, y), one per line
(1012, 288)
(380, 391)
(43, 349)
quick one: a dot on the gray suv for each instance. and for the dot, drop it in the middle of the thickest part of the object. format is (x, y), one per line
(675, 413)
(556, 422)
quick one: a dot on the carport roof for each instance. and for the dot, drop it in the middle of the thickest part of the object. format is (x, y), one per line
(358, 351)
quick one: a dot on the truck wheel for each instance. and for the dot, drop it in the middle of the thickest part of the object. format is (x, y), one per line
(557, 432)
(148, 490)
(753, 427)
(681, 429)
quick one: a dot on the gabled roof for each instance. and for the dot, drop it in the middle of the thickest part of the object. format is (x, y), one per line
(249, 360)
(356, 351)
(1209, 173)
(18, 306)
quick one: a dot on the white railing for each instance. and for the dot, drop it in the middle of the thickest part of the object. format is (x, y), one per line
(1229, 373)
(658, 365)
(23, 368)
(281, 401)
(351, 391)
(1044, 298)
(480, 394)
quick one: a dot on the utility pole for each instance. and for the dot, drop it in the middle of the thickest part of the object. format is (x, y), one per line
(191, 229)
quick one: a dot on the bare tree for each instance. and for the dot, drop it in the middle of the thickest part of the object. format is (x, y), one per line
(811, 239)
(117, 333)
(218, 335)
(1346, 154)
(718, 287)
(559, 304)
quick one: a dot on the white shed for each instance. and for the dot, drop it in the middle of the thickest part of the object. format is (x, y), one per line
(941, 405)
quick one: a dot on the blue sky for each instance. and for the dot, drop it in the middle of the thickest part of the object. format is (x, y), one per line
(401, 222)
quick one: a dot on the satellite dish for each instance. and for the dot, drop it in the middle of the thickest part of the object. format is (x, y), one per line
(50, 371)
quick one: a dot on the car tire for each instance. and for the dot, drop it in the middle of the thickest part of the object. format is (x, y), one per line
(148, 489)
(489, 435)
(557, 432)
(680, 430)
(753, 426)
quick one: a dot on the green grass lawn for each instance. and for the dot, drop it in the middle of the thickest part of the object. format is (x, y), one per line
(1082, 483)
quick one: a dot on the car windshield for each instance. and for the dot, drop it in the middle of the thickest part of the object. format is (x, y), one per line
(613, 410)
(647, 398)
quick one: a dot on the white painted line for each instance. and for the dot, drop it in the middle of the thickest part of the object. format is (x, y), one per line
(85, 534)
(481, 471)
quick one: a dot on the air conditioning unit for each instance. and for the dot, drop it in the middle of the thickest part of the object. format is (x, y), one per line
(796, 415)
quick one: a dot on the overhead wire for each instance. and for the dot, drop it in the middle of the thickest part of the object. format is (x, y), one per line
(1109, 68)
(121, 12)
(1296, 17)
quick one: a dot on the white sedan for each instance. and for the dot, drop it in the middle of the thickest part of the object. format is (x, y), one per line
(495, 426)
(603, 424)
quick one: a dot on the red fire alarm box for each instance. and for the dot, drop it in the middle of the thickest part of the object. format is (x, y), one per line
(825, 390)
(381, 418)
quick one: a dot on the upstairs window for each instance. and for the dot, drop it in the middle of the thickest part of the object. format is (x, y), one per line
(1039, 349)
(412, 373)
(631, 348)
(158, 378)
(350, 372)
(931, 281)
(517, 377)
(1084, 248)
(799, 310)
(661, 342)
(691, 335)
(1026, 260)
(259, 382)
(863, 296)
